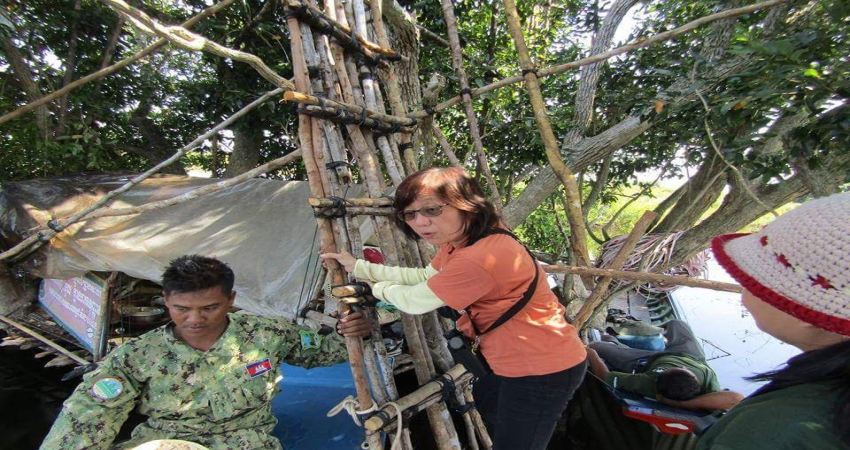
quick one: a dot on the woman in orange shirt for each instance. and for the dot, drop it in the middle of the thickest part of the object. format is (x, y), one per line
(536, 357)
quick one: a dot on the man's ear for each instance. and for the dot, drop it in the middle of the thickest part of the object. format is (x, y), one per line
(231, 298)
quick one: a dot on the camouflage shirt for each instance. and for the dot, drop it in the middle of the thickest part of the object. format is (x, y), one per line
(219, 398)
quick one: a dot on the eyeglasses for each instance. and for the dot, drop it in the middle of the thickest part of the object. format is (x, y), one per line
(427, 211)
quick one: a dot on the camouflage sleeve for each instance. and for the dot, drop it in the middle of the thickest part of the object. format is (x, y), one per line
(314, 350)
(303, 347)
(91, 417)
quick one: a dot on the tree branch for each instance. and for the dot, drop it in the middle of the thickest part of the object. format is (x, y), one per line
(113, 68)
(188, 40)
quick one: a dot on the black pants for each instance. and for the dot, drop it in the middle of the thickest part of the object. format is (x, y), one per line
(521, 413)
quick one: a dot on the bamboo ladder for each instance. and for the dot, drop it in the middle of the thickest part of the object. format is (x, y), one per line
(338, 86)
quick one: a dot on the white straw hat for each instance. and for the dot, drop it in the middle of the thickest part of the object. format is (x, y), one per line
(799, 263)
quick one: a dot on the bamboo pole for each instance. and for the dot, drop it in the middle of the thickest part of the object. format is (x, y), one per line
(647, 277)
(365, 202)
(578, 233)
(99, 344)
(460, 72)
(597, 295)
(640, 43)
(344, 117)
(300, 97)
(37, 239)
(428, 394)
(342, 33)
(390, 76)
(354, 345)
(47, 341)
(193, 41)
(113, 68)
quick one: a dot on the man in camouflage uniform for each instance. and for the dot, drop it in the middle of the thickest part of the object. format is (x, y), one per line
(207, 377)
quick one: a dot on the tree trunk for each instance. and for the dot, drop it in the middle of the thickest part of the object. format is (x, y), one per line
(23, 75)
(70, 68)
(591, 149)
(246, 151)
(703, 189)
(158, 148)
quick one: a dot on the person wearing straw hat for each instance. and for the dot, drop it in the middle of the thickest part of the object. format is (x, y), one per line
(796, 278)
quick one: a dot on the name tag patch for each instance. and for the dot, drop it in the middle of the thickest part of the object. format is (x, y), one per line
(258, 368)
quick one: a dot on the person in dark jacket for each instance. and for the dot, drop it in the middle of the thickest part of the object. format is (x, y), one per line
(796, 278)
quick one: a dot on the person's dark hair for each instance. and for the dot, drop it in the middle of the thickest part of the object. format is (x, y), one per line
(190, 273)
(455, 187)
(678, 384)
(829, 364)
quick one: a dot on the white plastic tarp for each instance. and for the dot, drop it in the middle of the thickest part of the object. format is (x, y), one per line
(264, 229)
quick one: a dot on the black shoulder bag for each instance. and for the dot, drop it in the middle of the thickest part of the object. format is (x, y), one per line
(465, 350)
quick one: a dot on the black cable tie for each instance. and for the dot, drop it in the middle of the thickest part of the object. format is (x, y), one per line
(379, 125)
(342, 115)
(395, 128)
(405, 146)
(54, 226)
(363, 116)
(431, 111)
(366, 76)
(385, 418)
(333, 165)
(42, 238)
(323, 103)
(527, 71)
(296, 12)
(466, 91)
(333, 211)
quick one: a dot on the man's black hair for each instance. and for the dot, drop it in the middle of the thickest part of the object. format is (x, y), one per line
(190, 273)
(678, 384)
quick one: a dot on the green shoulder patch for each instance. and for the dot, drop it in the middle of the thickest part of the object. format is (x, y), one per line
(310, 339)
(107, 388)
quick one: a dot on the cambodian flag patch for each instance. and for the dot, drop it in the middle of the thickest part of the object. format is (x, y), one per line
(258, 368)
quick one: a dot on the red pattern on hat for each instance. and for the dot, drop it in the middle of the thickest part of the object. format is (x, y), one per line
(772, 298)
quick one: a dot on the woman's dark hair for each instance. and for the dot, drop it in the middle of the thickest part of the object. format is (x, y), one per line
(455, 187)
(830, 365)
(678, 384)
(190, 273)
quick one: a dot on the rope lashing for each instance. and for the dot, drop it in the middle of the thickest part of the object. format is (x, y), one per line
(448, 388)
(527, 71)
(53, 225)
(466, 91)
(349, 404)
(405, 146)
(333, 165)
(431, 111)
(334, 211)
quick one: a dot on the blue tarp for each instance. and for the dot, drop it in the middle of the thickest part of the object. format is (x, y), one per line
(301, 407)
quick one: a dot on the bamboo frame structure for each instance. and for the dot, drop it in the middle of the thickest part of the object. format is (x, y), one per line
(342, 33)
(330, 72)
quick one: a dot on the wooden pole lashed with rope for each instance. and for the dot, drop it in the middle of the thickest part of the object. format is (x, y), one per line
(578, 239)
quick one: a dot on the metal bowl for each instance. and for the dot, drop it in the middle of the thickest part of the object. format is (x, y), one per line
(143, 314)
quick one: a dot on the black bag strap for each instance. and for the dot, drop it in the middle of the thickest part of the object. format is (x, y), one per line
(526, 296)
